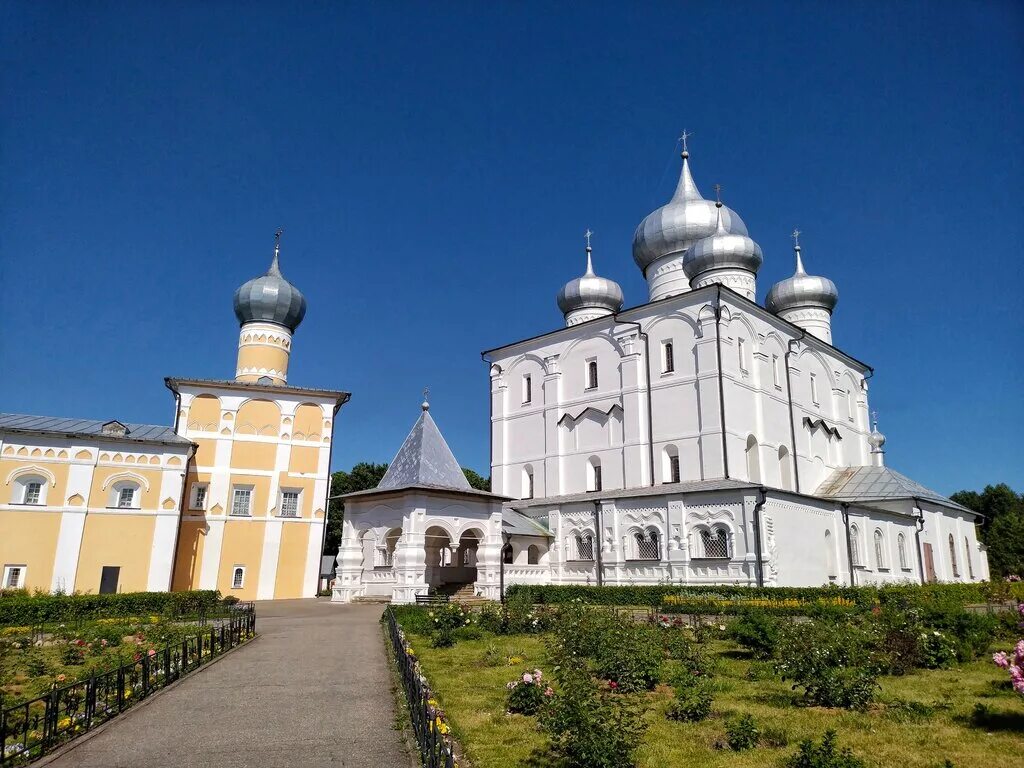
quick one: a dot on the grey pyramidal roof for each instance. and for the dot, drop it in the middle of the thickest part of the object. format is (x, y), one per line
(424, 459)
(89, 428)
(876, 484)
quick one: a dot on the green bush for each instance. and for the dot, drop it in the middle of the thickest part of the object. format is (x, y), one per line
(414, 618)
(742, 733)
(692, 700)
(526, 694)
(835, 664)
(825, 755)
(22, 610)
(630, 654)
(756, 631)
(971, 633)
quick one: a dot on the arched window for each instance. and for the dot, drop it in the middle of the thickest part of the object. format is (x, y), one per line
(879, 560)
(670, 358)
(855, 544)
(506, 554)
(901, 545)
(967, 556)
(671, 464)
(594, 475)
(125, 495)
(592, 374)
(648, 546)
(527, 482)
(715, 542)
(753, 460)
(29, 489)
(584, 546)
(533, 554)
(952, 556)
(384, 557)
(238, 577)
(785, 468)
(830, 557)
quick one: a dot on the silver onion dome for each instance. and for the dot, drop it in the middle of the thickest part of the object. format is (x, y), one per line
(876, 439)
(722, 250)
(802, 290)
(681, 222)
(270, 298)
(590, 291)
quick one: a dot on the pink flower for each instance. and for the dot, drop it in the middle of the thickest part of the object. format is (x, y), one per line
(527, 677)
(61, 678)
(536, 675)
(151, 652)
(1001, 660)
(548, 691)
(613, 685)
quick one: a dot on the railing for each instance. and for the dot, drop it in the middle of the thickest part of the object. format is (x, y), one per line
(428, 722)
(34, 728)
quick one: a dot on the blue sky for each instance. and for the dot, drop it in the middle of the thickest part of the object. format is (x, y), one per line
(435, 165)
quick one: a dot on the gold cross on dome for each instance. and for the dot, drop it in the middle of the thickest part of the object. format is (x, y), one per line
(587, 235)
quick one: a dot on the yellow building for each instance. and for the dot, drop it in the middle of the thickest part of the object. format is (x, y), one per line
(87, 505)
(233, 497)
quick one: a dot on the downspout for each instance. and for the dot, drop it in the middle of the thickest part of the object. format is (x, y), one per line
(758, 566)
(599, 539)
(330, 480)
(849, 543)
(184, 483)
(792, 422)
(917, 537)
(721, 381)
(507, 538)
(650, 409)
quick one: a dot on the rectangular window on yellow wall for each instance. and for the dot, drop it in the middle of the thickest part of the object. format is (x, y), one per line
(14, 576)
(289, 503)
(238, 577)
(199, 496)
(241, 501)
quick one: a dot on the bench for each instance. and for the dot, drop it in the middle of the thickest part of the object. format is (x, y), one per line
(431, 599)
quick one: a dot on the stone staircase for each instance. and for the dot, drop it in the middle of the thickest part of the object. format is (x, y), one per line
(462, 593)
(372, 599)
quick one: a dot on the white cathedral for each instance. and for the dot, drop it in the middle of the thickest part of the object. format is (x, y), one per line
(698, 438)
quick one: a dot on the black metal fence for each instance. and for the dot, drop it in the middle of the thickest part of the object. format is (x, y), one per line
(34, 728)
(428, 723)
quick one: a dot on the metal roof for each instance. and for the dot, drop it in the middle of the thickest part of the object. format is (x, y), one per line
(694, 486)
(424, 460)
(52, 425)
(173, 383)
(878, 484)
(519, 524)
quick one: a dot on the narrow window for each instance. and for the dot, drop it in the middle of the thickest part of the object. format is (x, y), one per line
(290, 504)
(529, 484)
(506, 554)
(597, 477)
(670, 360)
(673, 467)
(855, 544)
(901, 545)
(527, 389)
(199, 496)
(33, 492)
(741, 348)
(584, 547)
(952, 556)
(814, 389)
(533, 555)
(126, 498)
(967, 555)
(716, 542)
(592, 374)
(879, 561)
(849, 404)
(14, 577)
(241, 501)
(238, 577)
(775, 371)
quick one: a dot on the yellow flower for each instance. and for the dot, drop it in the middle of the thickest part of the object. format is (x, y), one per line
(64, 722)
(127, 693)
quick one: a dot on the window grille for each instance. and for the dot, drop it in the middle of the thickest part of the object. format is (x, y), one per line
(13, 577)
(200, 502)
(901, 545)
(241, 501)
(879, 562)
(584, 547)
(238, 578)
(592, 375)
(33, 492)
(290, 504)
(126, 498)
(670, 360)
(647, 546)
(716, 543)
(855, 544)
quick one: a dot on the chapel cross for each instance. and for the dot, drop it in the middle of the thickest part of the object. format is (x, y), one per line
(796, 238)
(683, 139)
(277, 241)
(587, 235)
(718, 193)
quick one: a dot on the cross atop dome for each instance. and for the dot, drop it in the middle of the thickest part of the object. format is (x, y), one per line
(683, 137)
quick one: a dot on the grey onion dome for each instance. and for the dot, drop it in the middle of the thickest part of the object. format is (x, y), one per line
(876, 439)
(722, 250)
(590, 292)
(680, 223)
(802, 290)
(270, 299)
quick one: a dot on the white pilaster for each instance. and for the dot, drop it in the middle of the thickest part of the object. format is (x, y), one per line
(69, 544)
(211, 554)
(269, 558)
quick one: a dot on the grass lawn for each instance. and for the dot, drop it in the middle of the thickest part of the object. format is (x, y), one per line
(918, 721)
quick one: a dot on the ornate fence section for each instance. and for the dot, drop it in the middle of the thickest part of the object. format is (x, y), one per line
(428, 721)
(33, 728)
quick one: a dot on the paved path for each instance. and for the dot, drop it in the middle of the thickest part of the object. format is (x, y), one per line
(313, 690)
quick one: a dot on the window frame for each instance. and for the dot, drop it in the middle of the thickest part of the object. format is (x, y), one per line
(878, 542)
(901, 548)
(952, 556)
(584, 540)
(194, 501)
(776, 379)
(250, 490)
(592, 380)
(668, 357)
(298, 502)
(31, 486)
(741, 352)
(22, 570)
(814, 388)
(855, 546)
(235, 572)
(716, 532)
(527, 388)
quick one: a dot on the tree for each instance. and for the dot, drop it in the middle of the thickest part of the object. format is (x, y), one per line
(476, 480)
(361, 477)
(1002, 528)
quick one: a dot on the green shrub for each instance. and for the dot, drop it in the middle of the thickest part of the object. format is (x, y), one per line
(526, 694)
(691, 655)
(971, 633)
(756, 631)
(834, 663)
(443, 638)
(22, 610)
(629, 654)
(413, 618)
(937, 650)
(825, 755)
(692, 700)
(742, 733)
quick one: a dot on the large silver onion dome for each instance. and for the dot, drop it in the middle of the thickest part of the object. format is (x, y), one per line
(590, 292)
(681, 222)
(802, 290)
(270, 298)
(722, 250)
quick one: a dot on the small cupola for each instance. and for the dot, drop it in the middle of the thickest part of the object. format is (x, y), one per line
(589, 296)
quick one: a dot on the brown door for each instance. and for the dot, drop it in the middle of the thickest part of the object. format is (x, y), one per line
(929, 563)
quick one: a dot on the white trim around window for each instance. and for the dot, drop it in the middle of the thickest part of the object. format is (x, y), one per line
(14, 576)
(238, 577)
(241, 501)
(289, 503)
(200, 494)
(125, 494)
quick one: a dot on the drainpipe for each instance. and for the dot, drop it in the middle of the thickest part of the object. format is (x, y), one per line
(327, 497)
(507, 539)
(758, 566)
(849, 542)
(917, 537)
(650, 409)
(598, 543)
(790, 348)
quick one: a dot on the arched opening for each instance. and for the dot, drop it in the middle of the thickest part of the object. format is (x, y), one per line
(507, 556)
(594, 479)
(528, 487)
(967, 556)
(533, 555)
(452, 566)
(439, 554)
(855, 544)
(952, 557)
(585, 546)
(670, 464)
(753, 460)
(901, 545)
(830, 557)
(879, 549)
(384, 555)
(785, 469)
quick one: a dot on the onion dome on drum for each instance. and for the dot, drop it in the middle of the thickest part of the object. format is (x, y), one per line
(589, 296)
(725, 257)
(664, 235)
(270, 298)
(805, 300)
